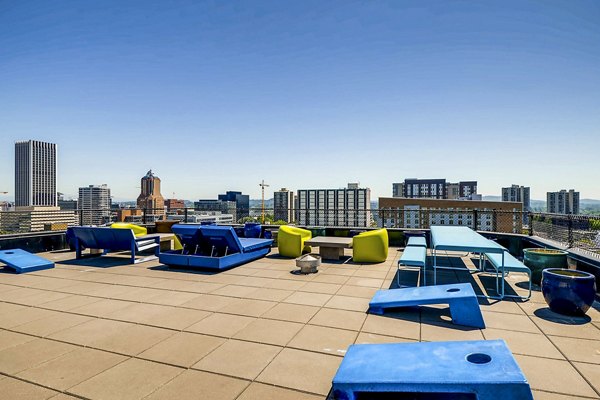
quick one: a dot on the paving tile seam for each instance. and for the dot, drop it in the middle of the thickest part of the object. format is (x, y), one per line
(42, 386)
(567, 394)
(597, 391)
(171, 291)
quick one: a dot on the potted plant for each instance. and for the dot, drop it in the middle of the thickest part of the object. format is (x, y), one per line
(568, 291)
(539, 259)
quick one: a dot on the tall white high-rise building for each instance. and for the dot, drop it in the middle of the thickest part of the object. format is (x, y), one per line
(283, 205)
(35, 174)
(563, 202)
(94, 204)
(334, 207)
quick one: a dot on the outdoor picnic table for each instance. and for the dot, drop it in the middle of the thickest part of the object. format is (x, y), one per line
(462, 238)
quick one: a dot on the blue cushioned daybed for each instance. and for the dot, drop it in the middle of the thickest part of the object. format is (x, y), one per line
(213, 247)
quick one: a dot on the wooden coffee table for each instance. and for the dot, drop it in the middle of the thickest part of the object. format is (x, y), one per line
(330, 247)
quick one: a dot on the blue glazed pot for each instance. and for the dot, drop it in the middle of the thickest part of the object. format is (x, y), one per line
(568, 291)
(252, 230)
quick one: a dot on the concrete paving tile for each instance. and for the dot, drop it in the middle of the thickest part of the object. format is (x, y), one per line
(132, 379)
(70, 302)
(41, 298)
(24, 315)
(172, 298)
(89, 332)
(198, 384)
(269, 294)
(255, 281)
(6, 308)
(554, 376)
(16, 295)
(286, 284)
(137, 294)
(339, 319)
(399, 325)
(224, 325)
(252, 308)
(208, 302)
(15, 389)
(235, 291)
(101, 308)
(62, 396)
(372, 338)
(357, 291)
(29, 354)
(71, 368)
(182, 349)
(239, 358)
(225, 279)
(324, 340)
(173, 284)
(591, 372)
(512, 322)
(291, 312)
(448, 332)
(54, 323)
(578, 349)
(159, 315)
(302, 370)
(539, 395)
(349, 303)
(10, 339)
(205, 287)
(366, 282)
(132, 340)
(260, 391)
(531, 344)
(380, 274)
(331, 278)
(269, 331)
(320, 287)
(308, 299)
(568, 327)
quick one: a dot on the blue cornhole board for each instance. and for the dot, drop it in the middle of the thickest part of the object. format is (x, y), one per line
(22, 261)
(486, 369)
(464, 307)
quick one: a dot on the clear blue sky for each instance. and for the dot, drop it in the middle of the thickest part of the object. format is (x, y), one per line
(216, 96)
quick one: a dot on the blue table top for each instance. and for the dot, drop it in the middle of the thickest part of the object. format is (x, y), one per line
(462, 238)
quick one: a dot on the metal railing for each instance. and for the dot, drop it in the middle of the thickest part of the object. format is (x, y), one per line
(572, 231)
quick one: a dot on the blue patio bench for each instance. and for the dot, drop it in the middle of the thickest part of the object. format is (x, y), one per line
(485, 369)
(413, 256)
(464, 307)
(511, 264)
(213, 247)
(417, 241)
(111, 240)
(23, 261)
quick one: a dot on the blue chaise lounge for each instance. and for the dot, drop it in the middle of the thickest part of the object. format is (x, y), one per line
(109, 239)
(213, 247)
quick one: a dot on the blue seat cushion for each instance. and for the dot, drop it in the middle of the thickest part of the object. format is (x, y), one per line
(252, 244)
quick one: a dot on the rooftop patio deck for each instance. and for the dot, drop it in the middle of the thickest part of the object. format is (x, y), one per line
(100, 328)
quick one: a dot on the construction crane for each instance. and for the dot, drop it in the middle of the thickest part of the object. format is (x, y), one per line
(263, 185)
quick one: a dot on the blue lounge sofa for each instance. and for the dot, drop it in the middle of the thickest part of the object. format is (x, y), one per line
(111, 240)
(213, 247)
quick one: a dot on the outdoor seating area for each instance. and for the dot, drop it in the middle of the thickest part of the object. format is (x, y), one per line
(249, 332)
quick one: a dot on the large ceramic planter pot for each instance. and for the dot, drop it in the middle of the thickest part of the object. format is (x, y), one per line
(568, 291)
(540, 259)
(252, 229)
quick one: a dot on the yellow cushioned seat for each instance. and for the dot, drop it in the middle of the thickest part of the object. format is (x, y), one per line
(137, 230)
(290, 241)
(371, 246)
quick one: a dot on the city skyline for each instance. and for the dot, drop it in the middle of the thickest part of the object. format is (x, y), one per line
(217, 97)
